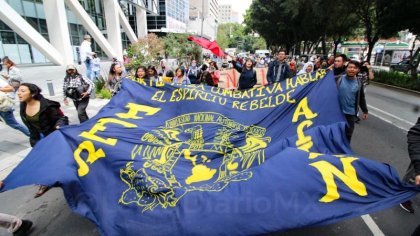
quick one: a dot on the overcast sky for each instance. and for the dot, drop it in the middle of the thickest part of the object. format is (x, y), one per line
(238, 5)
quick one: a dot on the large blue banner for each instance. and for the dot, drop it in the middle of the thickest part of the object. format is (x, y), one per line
(196, 160)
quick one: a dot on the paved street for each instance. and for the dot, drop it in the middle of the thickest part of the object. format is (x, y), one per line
(382, 138)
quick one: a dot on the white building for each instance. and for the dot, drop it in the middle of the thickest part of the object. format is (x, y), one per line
(227, 14)
(204, 18)
(50, 31)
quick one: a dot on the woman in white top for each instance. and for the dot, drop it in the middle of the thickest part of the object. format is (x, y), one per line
(307, 68)
(13, 77)
(7, 115)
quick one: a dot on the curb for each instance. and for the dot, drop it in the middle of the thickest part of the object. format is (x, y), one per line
(416, 93)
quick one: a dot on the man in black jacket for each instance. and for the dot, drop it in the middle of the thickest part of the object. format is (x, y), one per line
(413, 171)
(279, 69)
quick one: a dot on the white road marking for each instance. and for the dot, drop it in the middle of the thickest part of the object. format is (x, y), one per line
(388, 121)
(391, 115)
(374, 228)
(376, 231)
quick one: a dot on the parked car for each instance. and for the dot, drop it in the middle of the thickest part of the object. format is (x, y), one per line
(403, 66)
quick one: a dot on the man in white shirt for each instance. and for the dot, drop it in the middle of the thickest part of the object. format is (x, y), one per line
(7, 116)
(86, 55)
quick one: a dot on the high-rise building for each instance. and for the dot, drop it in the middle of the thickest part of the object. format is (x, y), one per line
(227, 14)
(50, 31)
(173, 17)
(204, 18)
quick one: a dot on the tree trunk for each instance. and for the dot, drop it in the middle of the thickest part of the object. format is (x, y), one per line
(414, 63)
(336, 42)
(323, 45)
(371, 43)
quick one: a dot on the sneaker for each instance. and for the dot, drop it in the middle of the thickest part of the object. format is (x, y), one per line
(407, 206)
(24, 228)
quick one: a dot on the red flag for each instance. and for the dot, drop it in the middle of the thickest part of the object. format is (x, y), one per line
(207, 44)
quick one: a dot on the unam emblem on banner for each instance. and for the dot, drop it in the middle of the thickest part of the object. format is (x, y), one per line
(182, 142)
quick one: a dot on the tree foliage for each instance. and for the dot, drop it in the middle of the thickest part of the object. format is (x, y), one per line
(146, 51)
(149, 50)
(234, 35)
(177, 46)
(303, 24)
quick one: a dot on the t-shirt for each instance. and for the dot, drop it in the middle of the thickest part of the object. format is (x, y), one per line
(3, 83)
(347, 90)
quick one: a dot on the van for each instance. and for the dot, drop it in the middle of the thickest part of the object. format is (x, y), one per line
(262, 53)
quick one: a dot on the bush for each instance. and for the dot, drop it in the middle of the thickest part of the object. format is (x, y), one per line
(397, 79)
(99, 84)
(104, 94)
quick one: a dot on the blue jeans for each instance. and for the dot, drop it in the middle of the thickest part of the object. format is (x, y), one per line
(88, 70)
(10, 120)
(95, 76)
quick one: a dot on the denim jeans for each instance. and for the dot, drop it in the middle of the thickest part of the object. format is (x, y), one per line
(88, 70)
(95, 76)
(10, 120)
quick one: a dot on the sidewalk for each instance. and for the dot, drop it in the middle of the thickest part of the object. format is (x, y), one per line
(14, 146)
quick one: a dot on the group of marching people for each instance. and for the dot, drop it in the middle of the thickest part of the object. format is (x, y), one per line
(42, 116)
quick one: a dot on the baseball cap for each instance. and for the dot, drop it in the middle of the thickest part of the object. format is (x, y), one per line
(87, 37)
(70, 67)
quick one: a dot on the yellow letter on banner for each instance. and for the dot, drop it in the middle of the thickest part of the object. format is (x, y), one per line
(100, 126)
(349, 177)
(304, 142)
(303, 109)
(92, 157)
(133, 109)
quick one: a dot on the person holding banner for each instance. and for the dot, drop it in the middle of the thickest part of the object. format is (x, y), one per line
(248, 77)
(41, 116)
(180, 78)
(215, 73)
(413, 172)
(351, 96)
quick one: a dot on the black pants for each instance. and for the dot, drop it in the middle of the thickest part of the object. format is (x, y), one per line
(416, 231)
(351, 119)
(81, 109)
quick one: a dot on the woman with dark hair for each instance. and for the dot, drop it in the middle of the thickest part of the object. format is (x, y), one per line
(40, 115)
(114, 77)
(215, 72)
(77, 88)
(180, 78)
(153, 75)
(248, 77)
(13, 76)
(206, 78)
(141, 73)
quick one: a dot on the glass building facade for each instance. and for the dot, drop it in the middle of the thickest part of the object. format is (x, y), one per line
(20, 51)
(173, 17)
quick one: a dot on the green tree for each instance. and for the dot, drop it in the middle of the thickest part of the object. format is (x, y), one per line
(291, 23)
(145, 51)
(234, 35)
(177, 46)
(384, 18)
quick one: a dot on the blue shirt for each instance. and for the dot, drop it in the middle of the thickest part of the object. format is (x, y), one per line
(347, 90)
